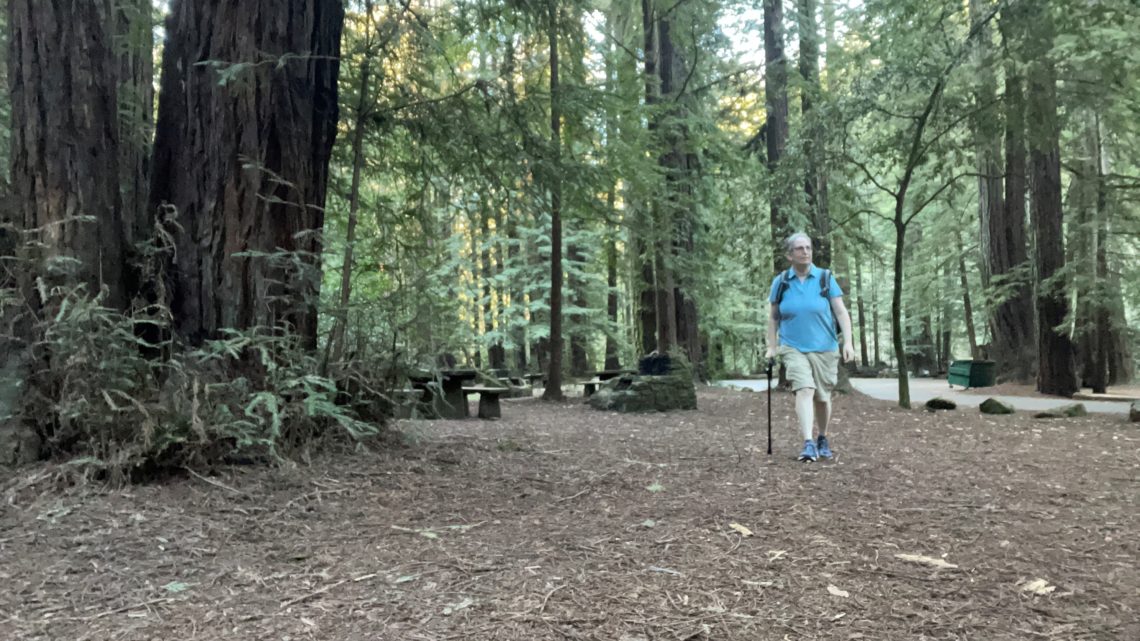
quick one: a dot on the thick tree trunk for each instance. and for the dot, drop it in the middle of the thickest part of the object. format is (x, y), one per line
(247, 118)
(1056, 372)
(65, 143)
(815, 175)
(64, 150)
(553, 391)
(1012, 345)
(776, 137)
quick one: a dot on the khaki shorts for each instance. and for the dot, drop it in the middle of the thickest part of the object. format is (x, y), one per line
(814, 370)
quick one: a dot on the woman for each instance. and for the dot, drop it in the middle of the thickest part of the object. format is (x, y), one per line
(805, 302)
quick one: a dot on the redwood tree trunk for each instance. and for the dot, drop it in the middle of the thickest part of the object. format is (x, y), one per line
(246, 123)
(65, 140)
(1011, 322)
(648, 294)
(815, 175)
(1056, 372)
(776, 137)
(987, 142)
(553, 391)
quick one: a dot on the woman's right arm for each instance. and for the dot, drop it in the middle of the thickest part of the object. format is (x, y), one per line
(773, 330)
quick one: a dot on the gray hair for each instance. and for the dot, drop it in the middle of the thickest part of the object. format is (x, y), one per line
(791, 240)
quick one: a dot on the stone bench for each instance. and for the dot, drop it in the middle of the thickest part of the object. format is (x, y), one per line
(406, 402)
(590, 386)
(488, 400)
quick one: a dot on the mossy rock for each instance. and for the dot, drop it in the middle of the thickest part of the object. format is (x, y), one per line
(1075, 410)
(995, 406)
(1134, 412)
(939, 403)
(635, 393)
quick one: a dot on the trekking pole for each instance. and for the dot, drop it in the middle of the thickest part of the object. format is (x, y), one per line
(771, 364)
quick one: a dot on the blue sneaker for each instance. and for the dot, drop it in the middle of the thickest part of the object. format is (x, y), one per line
(823, 448)
(809, 454)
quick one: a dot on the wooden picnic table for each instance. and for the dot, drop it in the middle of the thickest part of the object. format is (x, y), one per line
(607, 374)
(451, 403)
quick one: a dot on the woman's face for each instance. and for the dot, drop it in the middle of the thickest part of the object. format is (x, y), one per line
(800, 253)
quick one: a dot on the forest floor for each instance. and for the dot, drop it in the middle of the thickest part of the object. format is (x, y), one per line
(563, 522)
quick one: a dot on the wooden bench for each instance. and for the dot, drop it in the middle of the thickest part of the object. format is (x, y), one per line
(488, 400)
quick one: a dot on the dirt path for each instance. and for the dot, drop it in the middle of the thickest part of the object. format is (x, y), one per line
(560, 522)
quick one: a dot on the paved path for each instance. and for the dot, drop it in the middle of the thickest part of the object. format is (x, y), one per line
(924, 389)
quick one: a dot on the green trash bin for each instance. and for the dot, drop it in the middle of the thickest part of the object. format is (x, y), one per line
(969, 374)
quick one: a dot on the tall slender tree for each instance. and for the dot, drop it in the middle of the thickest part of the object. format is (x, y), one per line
(362, 114)
(553, 390)
(815, 173)
(776, 125)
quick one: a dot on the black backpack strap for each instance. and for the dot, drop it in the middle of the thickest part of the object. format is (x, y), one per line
(825, 283)
(785, 280)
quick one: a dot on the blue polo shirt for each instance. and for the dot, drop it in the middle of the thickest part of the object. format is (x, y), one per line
(806, 321)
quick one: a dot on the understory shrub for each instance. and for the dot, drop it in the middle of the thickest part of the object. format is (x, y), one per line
(111, 393)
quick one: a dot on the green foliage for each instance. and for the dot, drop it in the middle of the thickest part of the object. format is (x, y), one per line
(99, 397)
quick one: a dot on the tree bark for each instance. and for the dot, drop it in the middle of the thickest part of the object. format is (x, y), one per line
(1011, 322)
(64, 216)
(967, 305)
(815, 175)
(553, 390)
(497, 352)
(246, 123)
(579, 355)
(65, 143)
(647, 308)
(615, 28)
(861, 310)
(987, 142)
(776, 137)
(1056, 372)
